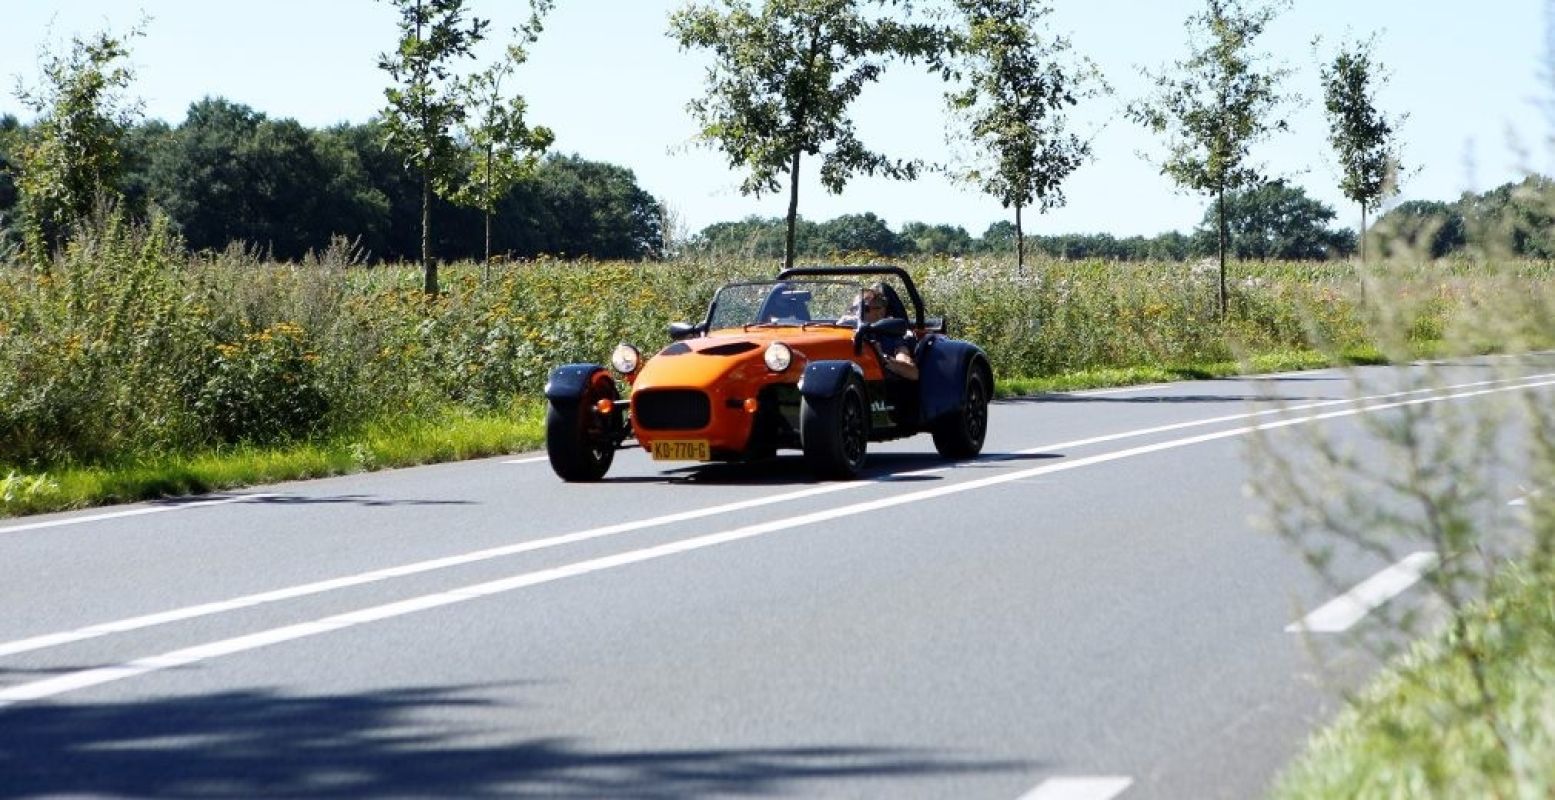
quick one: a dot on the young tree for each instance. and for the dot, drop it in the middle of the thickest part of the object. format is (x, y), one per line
(424, 104)
(1013, 105)
(70, 159)
(501, 149)
(781, 82)
(1215, 105)
(1362, 136)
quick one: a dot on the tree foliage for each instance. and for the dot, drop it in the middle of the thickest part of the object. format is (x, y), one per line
(1275, 221)
(782, 79)
(423, 102)
(499, 146)
(1017, 91)
(1214, 105)
(69, 160)
(1362, 136)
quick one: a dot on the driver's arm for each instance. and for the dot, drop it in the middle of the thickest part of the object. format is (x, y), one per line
(902, 364)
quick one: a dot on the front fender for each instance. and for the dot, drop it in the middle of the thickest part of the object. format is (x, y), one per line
(825, 379)
(571, 381)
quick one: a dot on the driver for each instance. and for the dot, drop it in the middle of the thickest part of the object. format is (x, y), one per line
(895, 351)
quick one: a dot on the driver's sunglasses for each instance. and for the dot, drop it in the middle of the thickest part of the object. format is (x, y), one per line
(875, 306)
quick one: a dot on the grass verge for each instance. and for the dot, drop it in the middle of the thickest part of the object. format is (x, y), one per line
(1422, 729)
(460, 434)
(450, 436)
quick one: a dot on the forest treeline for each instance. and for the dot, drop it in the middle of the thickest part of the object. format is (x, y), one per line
(228, 173)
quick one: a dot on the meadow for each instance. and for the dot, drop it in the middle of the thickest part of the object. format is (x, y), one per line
(132, 368)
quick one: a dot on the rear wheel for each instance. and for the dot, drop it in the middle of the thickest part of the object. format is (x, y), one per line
(577, 438)
(960, 434)
(835, 432)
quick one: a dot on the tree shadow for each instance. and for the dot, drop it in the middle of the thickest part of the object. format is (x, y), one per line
(364, 500)
(264, 743)
(1164, 399)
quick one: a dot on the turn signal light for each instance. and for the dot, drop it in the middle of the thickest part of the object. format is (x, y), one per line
(605, 406)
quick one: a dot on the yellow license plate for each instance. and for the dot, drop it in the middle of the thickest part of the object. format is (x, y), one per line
(682, 450)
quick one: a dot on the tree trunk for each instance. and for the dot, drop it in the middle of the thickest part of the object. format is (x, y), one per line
(1020, 244)
(486, 191)
(1362, 276)
(1221, 213)
(428, 268)
(1363, 234)
(793, 211)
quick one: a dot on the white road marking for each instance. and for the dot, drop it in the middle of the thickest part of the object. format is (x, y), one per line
(1523, 500)
(95, 677)
(57, 639)
(532, 460)
(133, 512)
(1079, 789)
(1339, 614)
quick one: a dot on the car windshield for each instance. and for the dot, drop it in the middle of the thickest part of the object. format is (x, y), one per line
(783, 303)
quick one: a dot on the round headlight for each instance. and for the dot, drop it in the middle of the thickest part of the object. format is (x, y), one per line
(625, 359)
(778, 356)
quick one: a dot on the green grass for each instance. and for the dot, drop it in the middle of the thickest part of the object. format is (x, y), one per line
(1262, 363)
(453, 435)
(1419, 729)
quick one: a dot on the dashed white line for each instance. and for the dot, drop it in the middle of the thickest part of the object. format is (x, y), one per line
(1341, 613)
(530, 460)
(134, 512)
(1079, 788)
(94, 677)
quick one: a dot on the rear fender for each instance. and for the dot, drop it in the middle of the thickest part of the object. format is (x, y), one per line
(943, 364)
(825, 379)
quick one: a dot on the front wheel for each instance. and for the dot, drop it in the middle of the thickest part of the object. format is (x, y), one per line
(835, 432)
(960, 433)
(577, 440)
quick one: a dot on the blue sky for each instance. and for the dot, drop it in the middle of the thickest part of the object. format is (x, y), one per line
(614, 87)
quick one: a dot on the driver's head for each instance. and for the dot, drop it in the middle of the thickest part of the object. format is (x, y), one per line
(871, 304)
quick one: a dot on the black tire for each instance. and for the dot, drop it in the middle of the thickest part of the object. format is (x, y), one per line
(835, 432)
(577, 440)
(960, 433)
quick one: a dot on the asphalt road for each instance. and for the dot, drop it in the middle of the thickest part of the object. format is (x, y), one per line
(1086, 612)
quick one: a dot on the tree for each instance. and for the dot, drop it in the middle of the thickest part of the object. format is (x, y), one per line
(1275, 221)
(70, 159)
(1437, 227)
(782, 80)
(1362, 136)
(1214, 106)
(574, 207)
(936, 240)
(501, 149)
(858, 233)
(1014, 103)
(424, 105)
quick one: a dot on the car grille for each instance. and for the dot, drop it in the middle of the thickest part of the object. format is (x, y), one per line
(671, 409)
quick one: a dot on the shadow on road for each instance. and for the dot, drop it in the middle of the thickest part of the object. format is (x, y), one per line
(365, 500)
(790, 469)
(1162, 398)
(265, 744)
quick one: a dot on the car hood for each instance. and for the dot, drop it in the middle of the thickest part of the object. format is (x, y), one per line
(738, 356)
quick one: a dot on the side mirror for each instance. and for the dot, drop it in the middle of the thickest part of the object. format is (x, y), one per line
(681, 330)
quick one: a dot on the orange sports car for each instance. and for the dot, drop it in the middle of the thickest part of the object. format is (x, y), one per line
(781, 364)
